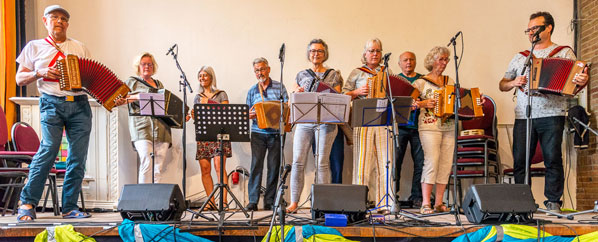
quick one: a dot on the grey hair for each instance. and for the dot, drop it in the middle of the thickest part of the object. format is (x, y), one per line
(369, 44)
(137, 61)
(433, 56)
(318, 41)
(260, 60)
(210, 71)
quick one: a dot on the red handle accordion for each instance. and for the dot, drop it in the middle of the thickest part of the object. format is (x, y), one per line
(92, 77)
(555, 75)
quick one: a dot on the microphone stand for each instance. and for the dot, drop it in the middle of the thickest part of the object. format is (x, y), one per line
(392, 132)
(282, 133)
(183, 84)
(456, 104)
(279, 204)
(395, 209)
(528, 108)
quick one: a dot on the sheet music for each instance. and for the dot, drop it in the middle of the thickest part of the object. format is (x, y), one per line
(381, 105)
(334, 107)
(145, 105)
(303, 107)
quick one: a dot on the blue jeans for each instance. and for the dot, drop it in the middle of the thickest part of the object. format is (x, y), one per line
(260, 144)
(407, 135)
(75, 118)
(337, 157)
(549, 131)
(304, 134)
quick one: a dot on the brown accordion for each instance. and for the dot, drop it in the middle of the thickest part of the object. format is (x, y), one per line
(268, 115)
(555, 75)
(471, 103)
(92, 77)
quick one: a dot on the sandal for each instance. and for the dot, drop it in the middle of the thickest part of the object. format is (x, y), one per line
(23, 213)
(76, 214)
(426, 209)
(441, 208)
(291, 210)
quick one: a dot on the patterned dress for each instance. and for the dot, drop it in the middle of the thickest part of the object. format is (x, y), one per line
(209, 149)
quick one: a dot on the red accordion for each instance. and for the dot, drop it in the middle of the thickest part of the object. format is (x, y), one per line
(401, 87)
(555, 75)
(92, 77)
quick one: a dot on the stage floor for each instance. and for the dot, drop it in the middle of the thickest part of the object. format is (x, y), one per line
(104, 224)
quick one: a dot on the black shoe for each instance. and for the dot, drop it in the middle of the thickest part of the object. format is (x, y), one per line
(251, 207)
(267, 206)
(417, 203)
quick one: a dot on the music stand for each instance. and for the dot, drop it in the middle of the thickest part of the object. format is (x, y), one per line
(374, 112)
(319, 108)
(221, 122)
(151, 105)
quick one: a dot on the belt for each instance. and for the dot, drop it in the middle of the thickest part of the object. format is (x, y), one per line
(68, 98)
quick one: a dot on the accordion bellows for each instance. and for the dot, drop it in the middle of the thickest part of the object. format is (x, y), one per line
(555, 75)
(401, 87)
(92, 77)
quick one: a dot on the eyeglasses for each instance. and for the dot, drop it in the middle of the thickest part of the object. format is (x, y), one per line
(146, 64)
(317, 51)
(372, 51)
(533, 29)
(260, 70)
(56, 17)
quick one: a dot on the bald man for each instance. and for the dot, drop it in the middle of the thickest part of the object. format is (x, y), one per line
(409, 134)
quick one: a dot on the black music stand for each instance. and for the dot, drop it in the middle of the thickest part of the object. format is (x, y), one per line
(221, 122)
(151, 105)
(373, 112)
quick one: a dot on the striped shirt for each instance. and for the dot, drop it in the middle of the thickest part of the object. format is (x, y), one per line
(272, 93)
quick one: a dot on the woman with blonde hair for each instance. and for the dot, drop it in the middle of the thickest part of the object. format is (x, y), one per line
(148, 135)
(437, 135)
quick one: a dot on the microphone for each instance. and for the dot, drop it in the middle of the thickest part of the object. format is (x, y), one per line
(453, 39)
(540, 30)
(281, 53)
(386, 57)
(285, 172)
(171, 49)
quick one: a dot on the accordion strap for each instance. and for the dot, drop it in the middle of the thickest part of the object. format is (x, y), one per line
(259, 86)
(444, 80)
(551, 54)
(315, 77)
(367, 70)
(52, 42)
(60, 53)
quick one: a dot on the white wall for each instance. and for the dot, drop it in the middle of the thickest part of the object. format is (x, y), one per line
(229, 34)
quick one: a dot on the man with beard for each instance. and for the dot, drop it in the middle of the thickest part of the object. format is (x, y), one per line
(263, 140)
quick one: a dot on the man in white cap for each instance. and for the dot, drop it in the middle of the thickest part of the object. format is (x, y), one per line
(59, 110)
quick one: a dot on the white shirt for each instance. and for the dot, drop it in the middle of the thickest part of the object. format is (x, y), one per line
(38, 54)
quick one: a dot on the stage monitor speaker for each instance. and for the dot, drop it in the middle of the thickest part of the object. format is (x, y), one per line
(350, 200)
(151, 202)
(499, 203)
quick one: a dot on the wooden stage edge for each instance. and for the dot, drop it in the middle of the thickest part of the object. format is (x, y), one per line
(101, 225)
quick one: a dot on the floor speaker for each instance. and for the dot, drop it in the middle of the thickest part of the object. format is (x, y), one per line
(350, 200)
(499, 203)
(151, 202)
